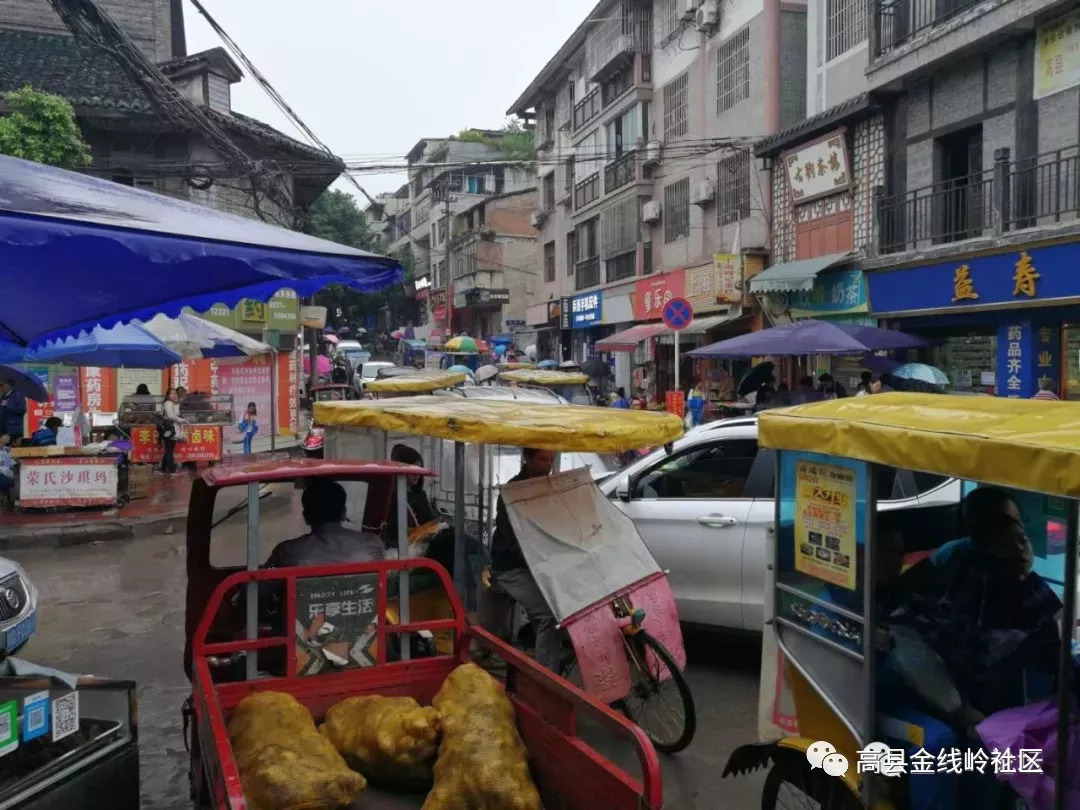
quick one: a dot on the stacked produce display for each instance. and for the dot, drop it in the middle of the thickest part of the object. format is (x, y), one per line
(465, 747)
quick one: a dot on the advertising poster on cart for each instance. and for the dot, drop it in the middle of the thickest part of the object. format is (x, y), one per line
(336, 623)
(825, 527)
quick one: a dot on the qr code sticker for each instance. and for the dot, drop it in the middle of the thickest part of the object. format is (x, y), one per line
(35, 718)
(65, 716)
(5, 726)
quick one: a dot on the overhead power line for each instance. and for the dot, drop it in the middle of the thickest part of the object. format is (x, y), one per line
(271, 91)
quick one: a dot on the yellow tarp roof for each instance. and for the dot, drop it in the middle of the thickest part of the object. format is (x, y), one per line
(564, 428)
(541, 376)
(422, 382)
(1022, 443)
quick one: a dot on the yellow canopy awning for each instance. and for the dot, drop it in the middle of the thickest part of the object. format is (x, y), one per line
(564, 428)
(1023, 443)
(422, 382)
(541, 376)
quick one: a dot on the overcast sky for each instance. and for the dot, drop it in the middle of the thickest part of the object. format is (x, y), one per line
(371, 79)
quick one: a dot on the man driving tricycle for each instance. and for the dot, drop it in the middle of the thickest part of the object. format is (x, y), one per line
(560, 548)
(924, 652)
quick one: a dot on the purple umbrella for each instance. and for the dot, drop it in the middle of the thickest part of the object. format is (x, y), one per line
(810, 337)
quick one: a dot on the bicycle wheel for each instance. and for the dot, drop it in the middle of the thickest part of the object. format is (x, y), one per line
(663, 709)
(791, 785)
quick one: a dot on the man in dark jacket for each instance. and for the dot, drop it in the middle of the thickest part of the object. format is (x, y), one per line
(511, 573)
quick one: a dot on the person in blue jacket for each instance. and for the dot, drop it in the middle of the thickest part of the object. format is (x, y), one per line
(45, 436)
(249, 426)
(12, 411)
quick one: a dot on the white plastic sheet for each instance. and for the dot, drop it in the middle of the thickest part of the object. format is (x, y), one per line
(578, 545)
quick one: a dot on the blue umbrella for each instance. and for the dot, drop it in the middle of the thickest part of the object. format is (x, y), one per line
(145, 253)
(129, 346)
(24, 382)
(11, 353)
(547, 364)
(809, 337)
(460, 370)
(922, 373)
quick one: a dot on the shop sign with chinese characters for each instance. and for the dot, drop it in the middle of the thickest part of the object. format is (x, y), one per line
(1018, 277)
(1057, 55)
(652, 292)
(203, 444)
(587, 310)
(66, 481)
(839, 293)
(729, 278)
(1028, 352)
(336, 623)
(818, 169)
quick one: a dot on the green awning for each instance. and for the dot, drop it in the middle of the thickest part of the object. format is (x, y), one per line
(794, 276)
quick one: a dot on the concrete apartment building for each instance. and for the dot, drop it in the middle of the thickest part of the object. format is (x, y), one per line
(645, 122)
(467, 206)
(961, 122)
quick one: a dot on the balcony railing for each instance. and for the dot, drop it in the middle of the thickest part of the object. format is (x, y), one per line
(1033, 192)
(587, 273)
(587, 109)
(646, 68)
(948, 211)
(587, 191)
(620, 172)
(901, 20)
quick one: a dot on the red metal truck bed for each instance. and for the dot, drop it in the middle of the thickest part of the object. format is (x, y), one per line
(570, 774)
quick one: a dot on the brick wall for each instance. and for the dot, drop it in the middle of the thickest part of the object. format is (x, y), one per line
(512, 215)
(147, 22)
(958, 93)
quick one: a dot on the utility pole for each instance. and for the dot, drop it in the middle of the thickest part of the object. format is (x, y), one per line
(449, 270)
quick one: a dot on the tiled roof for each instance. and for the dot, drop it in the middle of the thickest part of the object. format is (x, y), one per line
(857, 106)
(85, 75)
(257, 129)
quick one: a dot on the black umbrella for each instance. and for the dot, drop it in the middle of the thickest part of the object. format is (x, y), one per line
(756, 377)
(596, 368)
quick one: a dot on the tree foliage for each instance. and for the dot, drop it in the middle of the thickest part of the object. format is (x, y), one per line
(515, 141)
(336, 216)
(41, 127)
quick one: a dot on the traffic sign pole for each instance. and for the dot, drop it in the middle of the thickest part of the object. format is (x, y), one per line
(677, 314)
(677, 361)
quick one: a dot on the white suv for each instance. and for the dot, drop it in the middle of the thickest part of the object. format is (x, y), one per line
(706, 509)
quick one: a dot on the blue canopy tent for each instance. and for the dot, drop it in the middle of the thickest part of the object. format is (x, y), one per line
(124, 345)
(77, 252)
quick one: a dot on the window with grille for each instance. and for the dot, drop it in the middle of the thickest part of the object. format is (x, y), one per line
(620, 228)
(620, 267)
(549, 261)
(677, 210)
(571, 253)
(733, 71)
(733, 194)
(676, 108)
(845, 27)
(585, 238)
(549, 191)
(667, 18)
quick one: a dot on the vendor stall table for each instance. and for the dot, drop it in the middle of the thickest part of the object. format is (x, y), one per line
(207, 417)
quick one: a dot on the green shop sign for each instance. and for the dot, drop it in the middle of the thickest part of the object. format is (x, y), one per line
(281, 313)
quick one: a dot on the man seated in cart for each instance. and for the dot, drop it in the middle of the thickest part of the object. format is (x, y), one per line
(328, 541)
(511, 574)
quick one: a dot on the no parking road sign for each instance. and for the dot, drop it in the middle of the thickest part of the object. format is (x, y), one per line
(677, 314)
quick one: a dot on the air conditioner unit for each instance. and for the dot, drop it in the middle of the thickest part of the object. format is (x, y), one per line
(650, 211)
(703, 193)
(707, 18)
(690, 8)
(652, 153)
(538, 218)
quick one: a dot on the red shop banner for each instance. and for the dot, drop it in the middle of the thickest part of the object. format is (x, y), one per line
(67, 481)
(675, 402)
(652, 292)
(37, 413)
(203, 444)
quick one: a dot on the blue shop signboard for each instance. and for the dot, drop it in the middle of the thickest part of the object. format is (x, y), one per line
(838, 293)
(586, 310)
(1039, 274)
(1029, 352)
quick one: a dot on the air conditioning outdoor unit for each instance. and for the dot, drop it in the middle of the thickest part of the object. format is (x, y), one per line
(538, 218)
(703, 193)
(707, 18)
(690, 8)
(565, 199)
(652, 153)
(650, 211)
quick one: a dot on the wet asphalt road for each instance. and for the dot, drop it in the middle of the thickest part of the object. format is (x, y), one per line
(117, 610)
